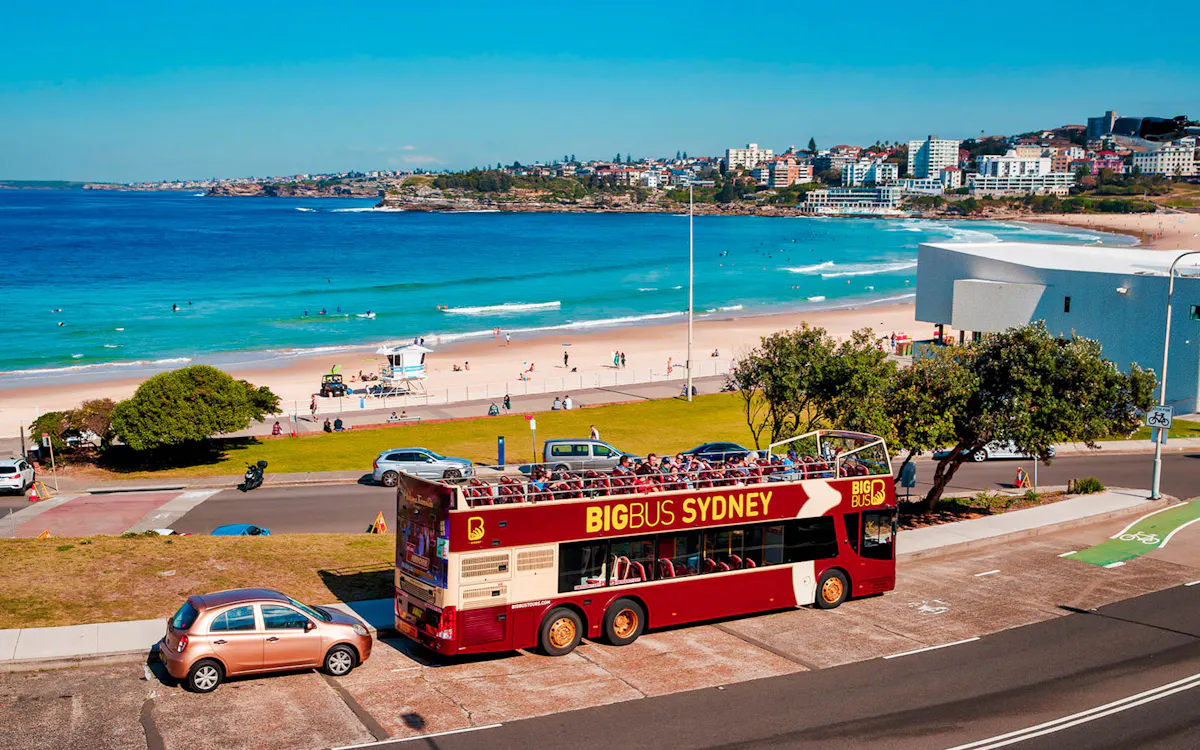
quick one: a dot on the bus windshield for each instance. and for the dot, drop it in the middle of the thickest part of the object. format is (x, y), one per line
(422, 515)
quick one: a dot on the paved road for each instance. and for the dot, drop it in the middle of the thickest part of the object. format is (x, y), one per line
(351, 508)
(959, 695)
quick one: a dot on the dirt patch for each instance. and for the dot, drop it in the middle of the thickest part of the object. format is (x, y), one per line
(951, 509)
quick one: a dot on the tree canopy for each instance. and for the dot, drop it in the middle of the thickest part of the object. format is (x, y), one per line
(189, 405)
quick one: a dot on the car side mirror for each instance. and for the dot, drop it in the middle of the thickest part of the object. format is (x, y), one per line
(309, 626)
(429, 460)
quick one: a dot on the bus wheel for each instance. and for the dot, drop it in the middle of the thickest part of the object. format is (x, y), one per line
(624, 622)
(832, 589)
(561, 632)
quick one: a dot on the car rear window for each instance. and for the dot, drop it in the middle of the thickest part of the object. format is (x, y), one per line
(185, 617)
(7, 469)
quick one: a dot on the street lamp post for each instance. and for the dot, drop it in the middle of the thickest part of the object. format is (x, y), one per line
(691, 276)
(1162, 392)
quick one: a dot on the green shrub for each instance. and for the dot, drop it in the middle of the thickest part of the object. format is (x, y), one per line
(1086, 486)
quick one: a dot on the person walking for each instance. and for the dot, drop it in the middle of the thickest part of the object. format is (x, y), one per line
(616, 359)
(507, 403)
(595, 433)
(566, 358)
(507, 339)
(622, 360)
(312, 407)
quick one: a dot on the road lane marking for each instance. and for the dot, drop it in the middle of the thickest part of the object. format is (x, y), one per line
(1176, 531)
(1136, 522)
(1116, 564)
(1065, 554)
(931, 648)
(1193, 583)
(987, 572)
(419, 737)
(1091, 714)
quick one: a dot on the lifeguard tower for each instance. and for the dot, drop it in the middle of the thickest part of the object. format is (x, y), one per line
(403, 370)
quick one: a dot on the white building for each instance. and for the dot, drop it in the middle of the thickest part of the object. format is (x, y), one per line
(1013, 164)
(1170, 161)
(869, 172)
(747, 158)
(922, 186)
(879, 200)
(951, 178)
(1114, 295)
(1051, 183)
(929, 157)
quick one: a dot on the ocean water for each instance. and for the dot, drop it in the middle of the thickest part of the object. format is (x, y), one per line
(93, 276)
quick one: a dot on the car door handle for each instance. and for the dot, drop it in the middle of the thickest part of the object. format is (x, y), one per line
(219, 643)
(272, 638)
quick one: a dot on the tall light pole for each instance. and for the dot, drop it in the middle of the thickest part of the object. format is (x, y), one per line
(1162, 392)
(691, 275)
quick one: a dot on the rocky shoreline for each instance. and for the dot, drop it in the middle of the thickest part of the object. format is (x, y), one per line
(429, 199)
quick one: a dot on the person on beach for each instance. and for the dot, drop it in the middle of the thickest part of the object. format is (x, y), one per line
(312, 407)
(616, 359)
(595, 433)
(493, 410)
(566, 358)
(466, 365)
(568, 403)
(507, 339)
(622, 360)
(557, 405)
(327, 427)
(507, 403)
(670, 364)
(276, 429)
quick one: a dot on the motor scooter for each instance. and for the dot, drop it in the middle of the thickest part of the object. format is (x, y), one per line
(254, 476)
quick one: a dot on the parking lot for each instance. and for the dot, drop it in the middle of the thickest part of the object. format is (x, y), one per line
(402, 691)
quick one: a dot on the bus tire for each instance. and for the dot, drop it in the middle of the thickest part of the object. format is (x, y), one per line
(561, 632)
(624, 622)
(832, 589)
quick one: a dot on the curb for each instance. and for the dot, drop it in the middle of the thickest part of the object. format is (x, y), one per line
(1050, 529)
(68, 662)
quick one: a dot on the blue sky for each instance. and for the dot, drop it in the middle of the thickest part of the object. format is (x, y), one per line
(92, 91)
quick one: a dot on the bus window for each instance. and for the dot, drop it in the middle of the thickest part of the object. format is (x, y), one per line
(852, 530)
(679, 555)
(580, 566)
(879, 530)
(810, 539)
(631, 561)
(723, 549)
(773, 545)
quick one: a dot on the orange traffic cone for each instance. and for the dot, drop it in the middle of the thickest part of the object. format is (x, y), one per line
(33, 494)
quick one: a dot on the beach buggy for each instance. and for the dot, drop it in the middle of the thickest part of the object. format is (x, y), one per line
(332, 385)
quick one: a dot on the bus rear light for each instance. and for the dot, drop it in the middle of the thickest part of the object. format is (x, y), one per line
(445, 626)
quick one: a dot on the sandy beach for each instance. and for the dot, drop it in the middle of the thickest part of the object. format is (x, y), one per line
(647, 348)
(1158, 231)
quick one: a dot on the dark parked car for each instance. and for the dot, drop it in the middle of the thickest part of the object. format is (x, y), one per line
(717, 451)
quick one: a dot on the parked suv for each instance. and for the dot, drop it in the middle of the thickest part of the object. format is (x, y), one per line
(254, 631)
(16, 475)
(419, 462)
(578, 455)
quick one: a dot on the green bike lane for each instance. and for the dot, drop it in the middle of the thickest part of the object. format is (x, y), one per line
(1150, 532)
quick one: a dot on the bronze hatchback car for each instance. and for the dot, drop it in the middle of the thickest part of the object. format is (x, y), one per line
(252, 631)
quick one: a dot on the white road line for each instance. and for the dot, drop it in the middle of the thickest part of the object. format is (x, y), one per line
(1176, 531)
(1066, 722)
(1143, 518)
(1066, 554)
(1115, 565)
(931, 648)
(418, 737)
(987, 572)
(1193, 583)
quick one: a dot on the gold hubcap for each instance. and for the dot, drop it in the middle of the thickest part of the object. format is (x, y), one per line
(831, 590)
(562, 632)
(625, 623)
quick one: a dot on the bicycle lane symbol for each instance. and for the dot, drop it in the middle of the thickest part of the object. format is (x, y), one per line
(1148, 533)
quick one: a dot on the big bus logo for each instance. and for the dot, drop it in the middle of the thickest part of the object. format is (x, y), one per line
(475, 528)
(865, 493)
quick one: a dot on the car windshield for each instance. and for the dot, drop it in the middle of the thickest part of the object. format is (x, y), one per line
(185, 617)
(311, 611)
(434, 455)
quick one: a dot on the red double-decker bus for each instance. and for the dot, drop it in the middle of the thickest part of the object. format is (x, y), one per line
(501, 562)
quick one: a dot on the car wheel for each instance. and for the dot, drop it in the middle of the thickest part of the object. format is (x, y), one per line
(561, 632)
(390, 478)
(204, 676)
(624, 622)
(979, 455)
(340, 661)
(562, 467)
(832, 589)
(452, 474)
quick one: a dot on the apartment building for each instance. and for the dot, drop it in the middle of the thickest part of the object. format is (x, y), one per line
(747, 158)
(1048, 183)
(951, 178)
(927, 158)
(1170, 161)
(869, 172)
(878, 200)
(1014, 164)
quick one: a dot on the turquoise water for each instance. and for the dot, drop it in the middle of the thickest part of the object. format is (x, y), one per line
(243, 271)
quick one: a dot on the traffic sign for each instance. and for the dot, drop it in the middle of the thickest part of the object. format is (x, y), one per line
(45, 440)
(1160, 416)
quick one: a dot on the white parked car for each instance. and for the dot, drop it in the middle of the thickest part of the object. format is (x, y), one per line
(16, 475)
(995, 450)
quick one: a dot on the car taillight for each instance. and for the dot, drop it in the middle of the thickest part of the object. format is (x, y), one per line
(183, 642)
(446, 624)
(375, 464)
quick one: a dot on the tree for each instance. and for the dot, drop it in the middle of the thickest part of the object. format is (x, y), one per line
(855, 384)
(56, 424)
(572, 158)
(1029, 387)
(685, 156)
(677, 156)
(94, 418)
(924, 399)
(727, 193)
(812, 145)
(188, 405)
(618, 159)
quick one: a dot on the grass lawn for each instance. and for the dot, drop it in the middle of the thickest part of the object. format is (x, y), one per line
(659, 425)
(63, 581)
(1180, 428)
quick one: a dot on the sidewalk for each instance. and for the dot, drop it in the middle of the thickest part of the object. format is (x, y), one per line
(73, 642)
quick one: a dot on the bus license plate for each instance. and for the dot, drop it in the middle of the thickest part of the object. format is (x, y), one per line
(416, 611)
(407, 630)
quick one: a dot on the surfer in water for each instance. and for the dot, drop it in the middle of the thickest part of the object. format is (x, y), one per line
(174, 308)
